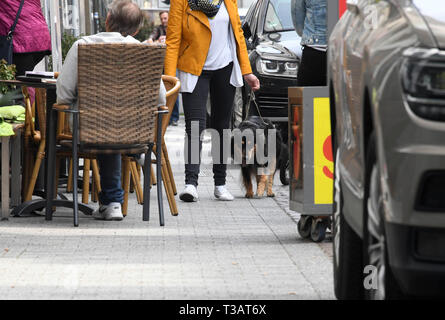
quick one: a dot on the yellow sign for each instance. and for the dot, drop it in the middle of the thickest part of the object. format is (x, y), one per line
(323, 158)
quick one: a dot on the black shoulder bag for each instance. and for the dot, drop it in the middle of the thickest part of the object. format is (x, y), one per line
(6, 47)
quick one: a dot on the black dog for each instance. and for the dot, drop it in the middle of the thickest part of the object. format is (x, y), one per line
(250, 166)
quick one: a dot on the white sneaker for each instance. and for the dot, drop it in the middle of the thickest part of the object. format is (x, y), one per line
(112, 211)
(141, 159)
(190, 193)
(221, 193)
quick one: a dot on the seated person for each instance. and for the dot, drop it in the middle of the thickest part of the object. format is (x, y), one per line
(158, 34)
(123, 22)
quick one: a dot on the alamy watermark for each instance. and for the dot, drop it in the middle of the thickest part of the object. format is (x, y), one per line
(370, 281)
(231, 146)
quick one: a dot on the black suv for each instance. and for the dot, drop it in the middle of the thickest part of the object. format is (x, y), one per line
(274, 53)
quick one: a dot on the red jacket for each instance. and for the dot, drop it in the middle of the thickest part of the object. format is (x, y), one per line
(31, 33)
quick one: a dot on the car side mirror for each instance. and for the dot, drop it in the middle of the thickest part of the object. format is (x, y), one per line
(246, 30)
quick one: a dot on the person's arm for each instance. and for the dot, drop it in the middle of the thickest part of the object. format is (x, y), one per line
(242, 48)
(67, 79)
(298, 9)
(243, 56)
(174, 37)
(154, 35)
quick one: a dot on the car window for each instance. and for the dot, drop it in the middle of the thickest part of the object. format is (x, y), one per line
(251, 16)
(255, 17)
(250, 11)
(278, 16)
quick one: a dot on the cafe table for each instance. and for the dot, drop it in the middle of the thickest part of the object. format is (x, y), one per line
(27, 208)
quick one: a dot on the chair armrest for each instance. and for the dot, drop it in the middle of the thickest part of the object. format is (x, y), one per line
(64, 108)
(162, 110)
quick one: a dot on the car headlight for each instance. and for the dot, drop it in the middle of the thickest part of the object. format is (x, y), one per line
(423, 80)
(271, 67)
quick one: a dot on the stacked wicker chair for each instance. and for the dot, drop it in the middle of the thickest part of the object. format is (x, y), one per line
(118, 88)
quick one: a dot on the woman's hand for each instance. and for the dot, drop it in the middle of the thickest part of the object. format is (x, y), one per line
(252, 81)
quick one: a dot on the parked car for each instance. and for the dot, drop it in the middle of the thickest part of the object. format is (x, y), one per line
(387, 84)
(275, 53)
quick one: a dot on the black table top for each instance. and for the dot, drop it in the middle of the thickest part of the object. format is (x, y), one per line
(32, 84)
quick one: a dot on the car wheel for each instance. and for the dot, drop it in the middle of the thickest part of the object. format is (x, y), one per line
(284, 172)
(381, 285)
(238, 106)
(347, 248)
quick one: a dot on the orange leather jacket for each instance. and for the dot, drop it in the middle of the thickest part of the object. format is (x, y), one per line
(189, 35)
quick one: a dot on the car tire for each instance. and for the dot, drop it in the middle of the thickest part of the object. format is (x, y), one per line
(284, 172)
(382, 285)
(347, 249)
(238, 108)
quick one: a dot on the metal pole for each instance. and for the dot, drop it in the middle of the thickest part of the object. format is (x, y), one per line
(96, 16)
(56, 36)
(333, 14)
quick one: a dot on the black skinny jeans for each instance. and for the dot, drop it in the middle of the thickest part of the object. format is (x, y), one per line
(27, 61)
(217, 82)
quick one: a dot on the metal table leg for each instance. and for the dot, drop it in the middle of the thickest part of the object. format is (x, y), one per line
(5, 178)
(15, 170)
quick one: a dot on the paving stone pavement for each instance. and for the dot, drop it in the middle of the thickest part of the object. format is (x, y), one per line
(245, 249)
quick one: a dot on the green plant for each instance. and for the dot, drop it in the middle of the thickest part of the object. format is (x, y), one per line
(67, 42)
(7, 72)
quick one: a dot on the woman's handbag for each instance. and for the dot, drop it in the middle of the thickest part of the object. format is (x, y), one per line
(6, 46)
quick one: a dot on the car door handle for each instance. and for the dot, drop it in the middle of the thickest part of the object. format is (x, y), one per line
(352, 6)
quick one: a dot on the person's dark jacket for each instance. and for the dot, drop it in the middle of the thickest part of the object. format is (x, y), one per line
(158, 32)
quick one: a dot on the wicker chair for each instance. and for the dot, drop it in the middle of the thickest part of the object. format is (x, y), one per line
(118, 88)
(35, 142)
(90, 162)
(172, 86)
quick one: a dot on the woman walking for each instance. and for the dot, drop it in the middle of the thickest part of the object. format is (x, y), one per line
(206, 50)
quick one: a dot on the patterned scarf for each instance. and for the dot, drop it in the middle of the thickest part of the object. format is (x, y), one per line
(209, 7)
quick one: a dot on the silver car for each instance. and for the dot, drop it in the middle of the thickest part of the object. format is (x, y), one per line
(387, 85)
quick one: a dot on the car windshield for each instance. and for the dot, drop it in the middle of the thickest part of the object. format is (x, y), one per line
(278, 16)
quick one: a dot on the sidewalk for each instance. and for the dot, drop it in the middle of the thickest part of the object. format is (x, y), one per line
(245, 249)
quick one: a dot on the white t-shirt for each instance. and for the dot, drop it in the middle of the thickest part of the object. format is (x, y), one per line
(188, 80)
(219, 54)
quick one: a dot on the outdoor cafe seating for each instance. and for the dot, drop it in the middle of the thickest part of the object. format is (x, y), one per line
(105, 122)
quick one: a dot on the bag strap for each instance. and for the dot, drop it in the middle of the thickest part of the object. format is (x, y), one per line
(16, 18)
(252, 99)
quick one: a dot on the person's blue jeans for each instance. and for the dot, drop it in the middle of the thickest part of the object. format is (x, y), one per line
(110, 178)
(175, 112)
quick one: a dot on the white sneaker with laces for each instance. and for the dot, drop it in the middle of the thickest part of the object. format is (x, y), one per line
(221, 193)
(190, 193)
(112, 211)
